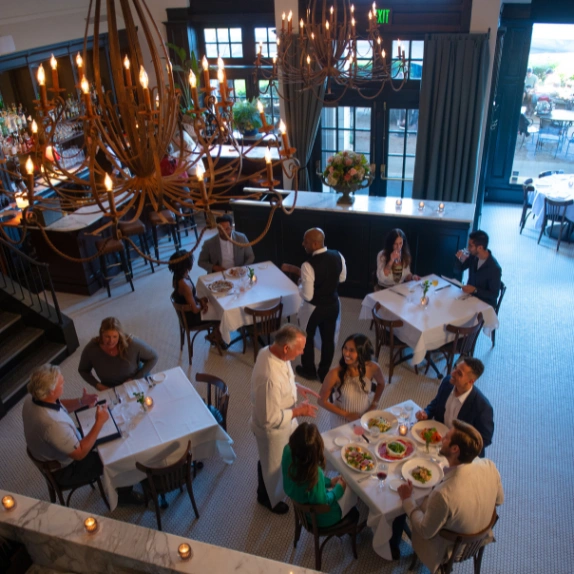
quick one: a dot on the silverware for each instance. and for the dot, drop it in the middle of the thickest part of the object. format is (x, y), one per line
(364, 478)
(150, 383)
(445, 287)
(399, 293)
(117, 396)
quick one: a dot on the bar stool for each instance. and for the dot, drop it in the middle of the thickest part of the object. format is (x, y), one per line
(164, 217)
(187, 219)
(108, 247)
(130, 229)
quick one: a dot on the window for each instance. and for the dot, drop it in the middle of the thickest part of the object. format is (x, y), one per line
(267, 39)
(414, 51)
(269, 98)
(403, 129)
(237, 89)
(345, 128)
(224, 42)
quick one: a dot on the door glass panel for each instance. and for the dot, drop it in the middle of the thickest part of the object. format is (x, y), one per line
(402, 144)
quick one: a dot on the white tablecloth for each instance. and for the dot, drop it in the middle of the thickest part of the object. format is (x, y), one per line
(271, 284)
(159, 437)
(554, 187)
(424, 329)
(383, 506)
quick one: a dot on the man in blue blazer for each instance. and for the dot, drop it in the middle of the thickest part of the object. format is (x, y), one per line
(458, 398)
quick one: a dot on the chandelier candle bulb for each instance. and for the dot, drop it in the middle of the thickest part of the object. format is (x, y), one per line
(205, 66)
(222, 86)
(269, 166)
(79, 62)
(30, 171)
(144, 81)
(199, 171)
(55, 82)
(42, 82)
(184, 551)
(290, 22)
(422, 205)
(8, 502)
(193, 84)
(283, 22)
(127, 72)
(21, 202)
(91, 524)
(86, 93)
(109, 188)
(261, 110)
(283, 130)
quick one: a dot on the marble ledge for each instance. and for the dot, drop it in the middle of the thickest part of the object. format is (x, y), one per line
(364, 204)
(55, 538)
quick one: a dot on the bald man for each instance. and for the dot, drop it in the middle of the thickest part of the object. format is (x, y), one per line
(320, 278)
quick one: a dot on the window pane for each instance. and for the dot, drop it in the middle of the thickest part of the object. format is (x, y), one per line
(272, 50)
(417, 49)
(363, 143)
(328, 142)
(240, 89)
(346, 140)
(364, 50)
(223, 34)
(209, 35)
(363, 118)
(236, 50)
(328, 117)
(235, 34)
(395, 166)
(260, 35)
(224, 51)
(211, 50)
(416, 70)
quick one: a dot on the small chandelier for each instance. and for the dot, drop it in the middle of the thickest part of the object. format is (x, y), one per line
(130, 128)
(327, 51)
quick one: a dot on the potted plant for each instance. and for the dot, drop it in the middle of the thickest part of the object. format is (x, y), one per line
(246, 117)
(181, 76)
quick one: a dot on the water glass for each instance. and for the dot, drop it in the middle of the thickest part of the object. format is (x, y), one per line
(375, 432)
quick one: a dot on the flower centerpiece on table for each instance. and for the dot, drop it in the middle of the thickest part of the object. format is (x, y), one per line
(426, 285)
(346, 172)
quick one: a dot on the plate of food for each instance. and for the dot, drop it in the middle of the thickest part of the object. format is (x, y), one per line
(382, 419)
(220, 286)
(395, 448)
(359, 458)
(435, 429)
(422, 472)
(236, 272)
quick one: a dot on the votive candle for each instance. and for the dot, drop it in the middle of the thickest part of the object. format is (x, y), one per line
(441, 206)
(148, 402)
(403, 429)
(90, 524)
(8, 502)
(422, 205)
(184, 551)
(399, 202)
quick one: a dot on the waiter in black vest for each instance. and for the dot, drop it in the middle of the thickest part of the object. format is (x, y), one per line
(320, 278)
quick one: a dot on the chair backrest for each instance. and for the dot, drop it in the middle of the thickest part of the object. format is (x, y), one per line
(555, 210)
(466, 545)
(465, 337)
(292, 271)
(500, 297)
(266, 320)
(165, 479)
(549, 172)
(47, 468)
(526, 189)
(306, 514)
(220, 394)
(384, 329)
(181, 311)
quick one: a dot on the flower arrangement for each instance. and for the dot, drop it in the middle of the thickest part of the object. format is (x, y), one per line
(426, 285)
(346, 168)
(140, 398)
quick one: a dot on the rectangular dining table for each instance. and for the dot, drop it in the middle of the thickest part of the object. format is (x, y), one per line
(424, 328)
(159, 436)
(271, 285)
(384, 506)
(558, 186)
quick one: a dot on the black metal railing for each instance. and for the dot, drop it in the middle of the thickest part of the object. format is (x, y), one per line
(28, 280)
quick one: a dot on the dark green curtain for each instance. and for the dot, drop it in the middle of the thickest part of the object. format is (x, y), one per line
(452, 105)
(303, 112)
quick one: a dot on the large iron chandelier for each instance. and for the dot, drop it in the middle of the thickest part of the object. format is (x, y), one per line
(130, 128)
(327, 51)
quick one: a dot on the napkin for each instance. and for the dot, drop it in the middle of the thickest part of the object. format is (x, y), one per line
(132, 387)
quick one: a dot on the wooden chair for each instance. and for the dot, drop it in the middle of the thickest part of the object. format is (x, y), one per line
(265, 323)
(220, 395)
(385, 337)
(55, 488)
(549, 172)
(527, 188)
(497, 308)
(555, 212)
(185, 330)
(463, 343)
(466, 546)
(137, 229)
(292, 271)
(161, 481)
(306, 517)
(164, 217)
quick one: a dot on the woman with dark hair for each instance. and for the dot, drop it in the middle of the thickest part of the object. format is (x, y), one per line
(115, 356)
(347, 389)
(394, 261)
(304, 481)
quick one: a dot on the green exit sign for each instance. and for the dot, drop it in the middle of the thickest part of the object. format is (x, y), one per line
(383, 16)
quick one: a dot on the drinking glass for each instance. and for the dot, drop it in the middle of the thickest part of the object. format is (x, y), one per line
(375, 432)
(381, 475)
(358, 430)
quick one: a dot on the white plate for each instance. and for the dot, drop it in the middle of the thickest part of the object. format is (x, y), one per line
(390, 418)
(395, 483)
(442, 429)
(236, 272)
(435, 469)
(363, 448)
(341, 441)
(158, 377)
(391, 439)
(262, 266)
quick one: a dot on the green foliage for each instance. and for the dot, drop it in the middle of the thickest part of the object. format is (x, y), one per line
(246, 116)
(181, 75)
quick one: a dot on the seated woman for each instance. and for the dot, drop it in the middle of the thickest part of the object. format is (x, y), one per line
(394, 261)
(184, 293)
(115, 356)
(304, 482)
(346, 391)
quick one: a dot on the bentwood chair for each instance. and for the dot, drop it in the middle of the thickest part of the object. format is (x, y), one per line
(218, 405)
(185, 329)
(497, 309)
(161, 481)
(292, 271)
(49, 470)
(385, 337)
(463, 343)
(306, 517)
(555, 212)
(527, 189)
(265, 323)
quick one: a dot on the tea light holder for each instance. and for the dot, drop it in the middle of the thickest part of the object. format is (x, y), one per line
(399, 202)
(421, 205)
(148, 402)
(403, 430)
(184, 551)
(8, 502)
(440, 207)
(90, 524)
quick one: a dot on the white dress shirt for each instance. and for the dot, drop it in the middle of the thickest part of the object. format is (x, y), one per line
(227, 258)
(308, 275)
(453, 406)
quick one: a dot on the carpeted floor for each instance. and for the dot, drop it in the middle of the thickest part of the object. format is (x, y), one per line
(527, 379)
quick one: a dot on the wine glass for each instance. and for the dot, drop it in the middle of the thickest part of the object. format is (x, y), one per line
(358, 430)
(381, 475)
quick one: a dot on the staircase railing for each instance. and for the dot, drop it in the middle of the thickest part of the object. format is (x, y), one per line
(28, 280)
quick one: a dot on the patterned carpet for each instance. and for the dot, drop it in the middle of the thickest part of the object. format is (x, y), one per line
(527, 380)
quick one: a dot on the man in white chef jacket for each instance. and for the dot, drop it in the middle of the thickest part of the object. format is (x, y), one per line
(274, 408)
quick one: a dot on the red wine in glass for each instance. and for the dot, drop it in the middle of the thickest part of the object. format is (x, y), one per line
(381, 476)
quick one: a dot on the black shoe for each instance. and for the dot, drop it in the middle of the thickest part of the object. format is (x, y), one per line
(163, 503)
(131, 499)
(395, 552)
(279, 508)
(312, 376)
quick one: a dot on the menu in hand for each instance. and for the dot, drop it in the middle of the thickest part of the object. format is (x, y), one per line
(86, 419)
